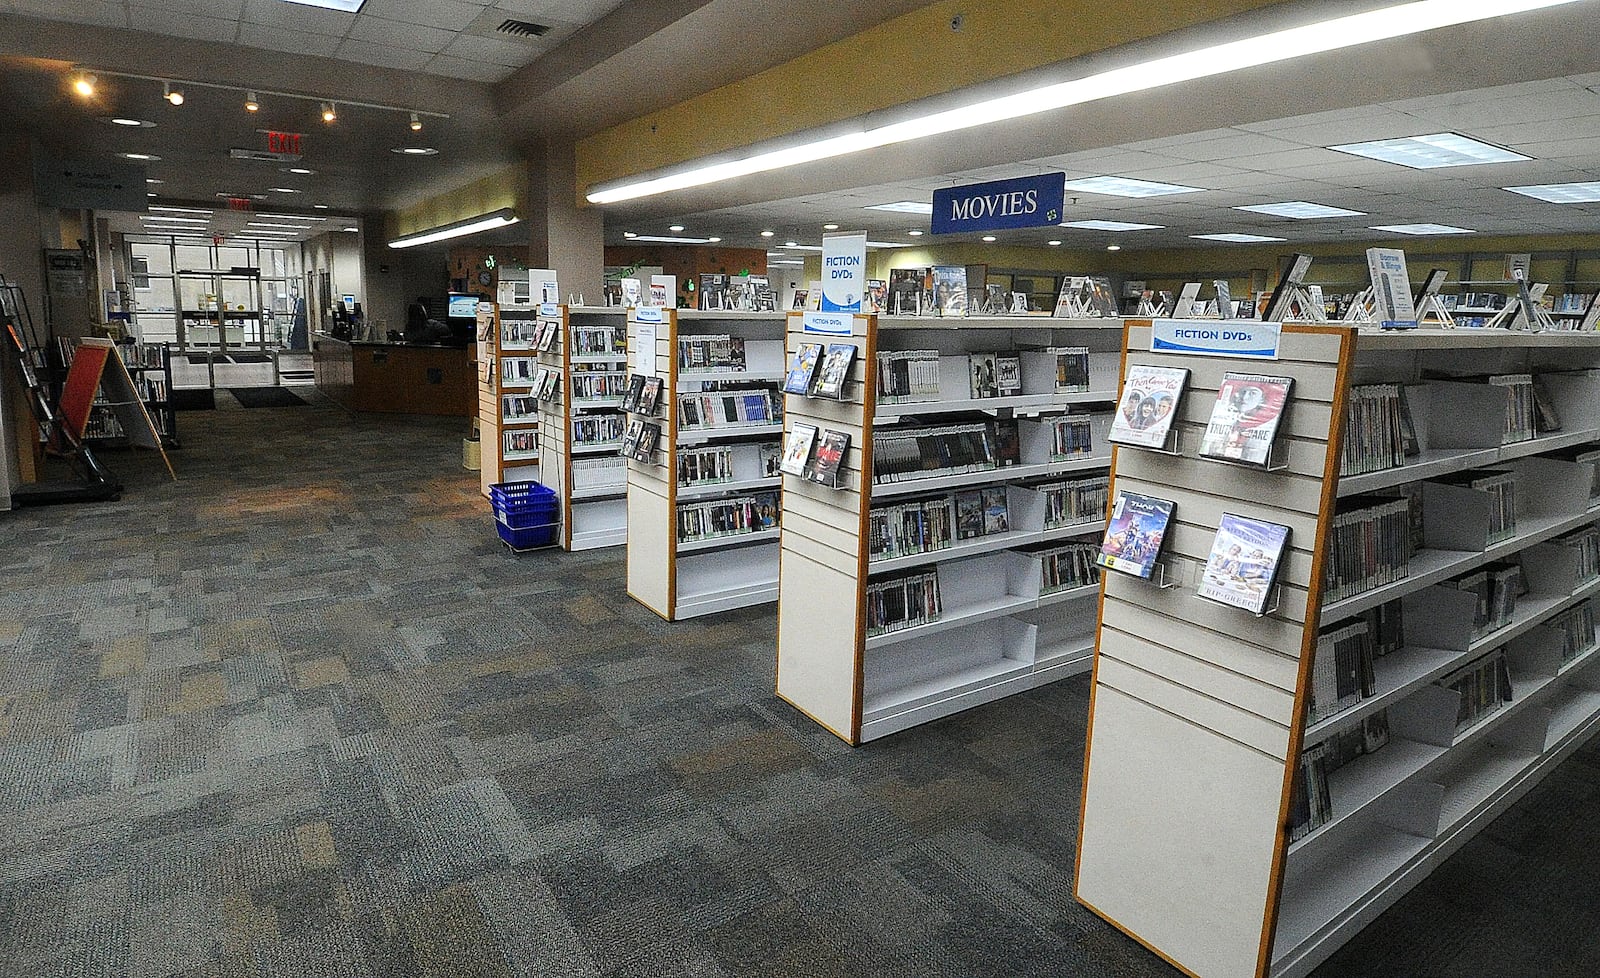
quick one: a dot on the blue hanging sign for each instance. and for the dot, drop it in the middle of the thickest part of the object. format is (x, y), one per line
(1026, 202)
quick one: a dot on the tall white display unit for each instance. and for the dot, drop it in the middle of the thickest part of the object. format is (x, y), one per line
(1199, 732)
(1004, 625)
(669, 573)
(581, 420)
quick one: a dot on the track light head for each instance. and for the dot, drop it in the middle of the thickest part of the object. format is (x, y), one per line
(173, 95)
(251, 104)
(416, 123)
(84, 85)
(328, 114)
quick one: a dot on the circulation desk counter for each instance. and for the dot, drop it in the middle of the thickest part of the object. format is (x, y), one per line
(396, 378)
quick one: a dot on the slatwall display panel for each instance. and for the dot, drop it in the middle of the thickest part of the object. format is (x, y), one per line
(1206, 687)
(820, 629)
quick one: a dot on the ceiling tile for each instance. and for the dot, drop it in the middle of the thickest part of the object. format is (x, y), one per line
(223, 9)
(415, 37)
(452, 15)
(294, 42)
(175, 24)
(1226, 145)
(103, 13)
(383, 55)
(493, 50)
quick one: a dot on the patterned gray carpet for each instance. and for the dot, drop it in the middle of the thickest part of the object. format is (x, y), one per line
(301, 715)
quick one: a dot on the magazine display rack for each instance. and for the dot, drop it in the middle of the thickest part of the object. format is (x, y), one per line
(725, 564)
(507, 411)
(1215, 828)
(1002, 623)
(584, 358)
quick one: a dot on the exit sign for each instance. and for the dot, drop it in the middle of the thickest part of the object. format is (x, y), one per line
(284, 142)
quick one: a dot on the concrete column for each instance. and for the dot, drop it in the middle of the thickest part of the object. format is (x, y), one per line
(561, 234)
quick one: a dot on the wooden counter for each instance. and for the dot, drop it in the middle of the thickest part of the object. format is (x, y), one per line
(396, 378)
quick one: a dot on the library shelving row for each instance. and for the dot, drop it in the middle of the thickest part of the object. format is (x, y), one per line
(702, 519)
(579, 377)
(1257, 792)
(945, 566)
(508, 411)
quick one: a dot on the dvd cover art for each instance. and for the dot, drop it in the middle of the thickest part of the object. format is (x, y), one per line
(1245, 419)
(1149, 405)
(1135, 533)
(1244, 562)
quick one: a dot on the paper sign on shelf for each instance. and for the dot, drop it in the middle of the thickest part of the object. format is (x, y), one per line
(644, 347)
(1209, 338)
(542, 281)
(828, 323)
(844, 271)
(1391, 289)
(550, 310)
(663, 291)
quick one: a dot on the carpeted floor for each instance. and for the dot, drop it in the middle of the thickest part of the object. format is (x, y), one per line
(300, 715)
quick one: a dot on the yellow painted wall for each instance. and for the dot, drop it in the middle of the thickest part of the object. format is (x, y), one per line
(907, 58)
(505, 188)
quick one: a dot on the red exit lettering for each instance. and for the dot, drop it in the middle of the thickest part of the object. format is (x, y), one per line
(284, 142)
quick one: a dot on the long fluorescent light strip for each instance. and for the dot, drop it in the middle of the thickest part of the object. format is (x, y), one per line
(1236, 238)
(1126, 187)
(1286, 45)
(487, 222)
(347, 6)
(897, 207)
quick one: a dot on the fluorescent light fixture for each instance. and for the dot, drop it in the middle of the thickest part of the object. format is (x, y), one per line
(830, 227)
(415, 151)
(298, 171)
(990, 238)
(182, 210)
(1128, 187)
(675, 228)
(915, 233)
(128, 123)
(767, 234)
(630, 234)
(294, 227)
(1237, 238)
(472, 225)
(290, 217)
(668, 239)
(1113, 247)
(173, 220)
(887, 244)
(713, 240)
(153, 180)
(1332, 34)
(283, 190)
(770, 262)
(320, 207)
(151, 193)
(1300, 210)
(141, 157)
(1432, 152)
(348, 6)
(358, 229)
(801, 247)
(791, 244)
(1562, 193)
(1423, 229)
(904, 207)
(1053, 244)
(1112, 226)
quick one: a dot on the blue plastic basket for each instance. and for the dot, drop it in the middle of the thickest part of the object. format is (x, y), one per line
(526, 514)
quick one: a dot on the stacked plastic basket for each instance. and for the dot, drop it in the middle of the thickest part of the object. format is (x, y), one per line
(526, 514)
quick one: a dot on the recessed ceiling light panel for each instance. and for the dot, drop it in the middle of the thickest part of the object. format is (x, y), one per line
(1112, 226)
(904, 207)
(140, 157)
(415, 151)
(1300, 210)
(1237, 238)
(348, 6)
(1128, 187)
(127, 122)
(1562, 193)
(1432, 152)
(1423, 229)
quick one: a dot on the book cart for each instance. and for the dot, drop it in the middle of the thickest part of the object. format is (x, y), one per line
(1236, 819)
(672, 572)
(508, 412)
(1002, 624)
(580, 378)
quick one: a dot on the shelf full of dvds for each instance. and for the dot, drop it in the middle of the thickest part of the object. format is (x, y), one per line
(944, 487)
(508, 395)
(1431, 655)
(702, 442)
(580, 360)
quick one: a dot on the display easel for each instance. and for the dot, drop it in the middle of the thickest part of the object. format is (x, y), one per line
(97, 366)
(1429, 309)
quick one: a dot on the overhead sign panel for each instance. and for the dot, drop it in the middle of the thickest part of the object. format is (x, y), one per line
(1025, 202)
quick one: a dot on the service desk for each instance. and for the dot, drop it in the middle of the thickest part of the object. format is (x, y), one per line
(396, 378)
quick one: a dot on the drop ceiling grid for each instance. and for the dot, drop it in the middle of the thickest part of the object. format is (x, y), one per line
(430, 36)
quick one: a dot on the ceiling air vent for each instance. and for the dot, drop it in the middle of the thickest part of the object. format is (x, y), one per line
(522, 28)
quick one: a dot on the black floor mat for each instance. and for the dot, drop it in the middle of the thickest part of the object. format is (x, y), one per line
(199, 359)
(260, 397)
(193, 399)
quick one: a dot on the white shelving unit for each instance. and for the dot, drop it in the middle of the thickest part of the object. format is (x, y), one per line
(687, 579)
(997, 633)
(502, 397)
(590, 480)
(1198, 717)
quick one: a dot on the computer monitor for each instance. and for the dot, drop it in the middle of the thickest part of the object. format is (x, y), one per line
(463, 306)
